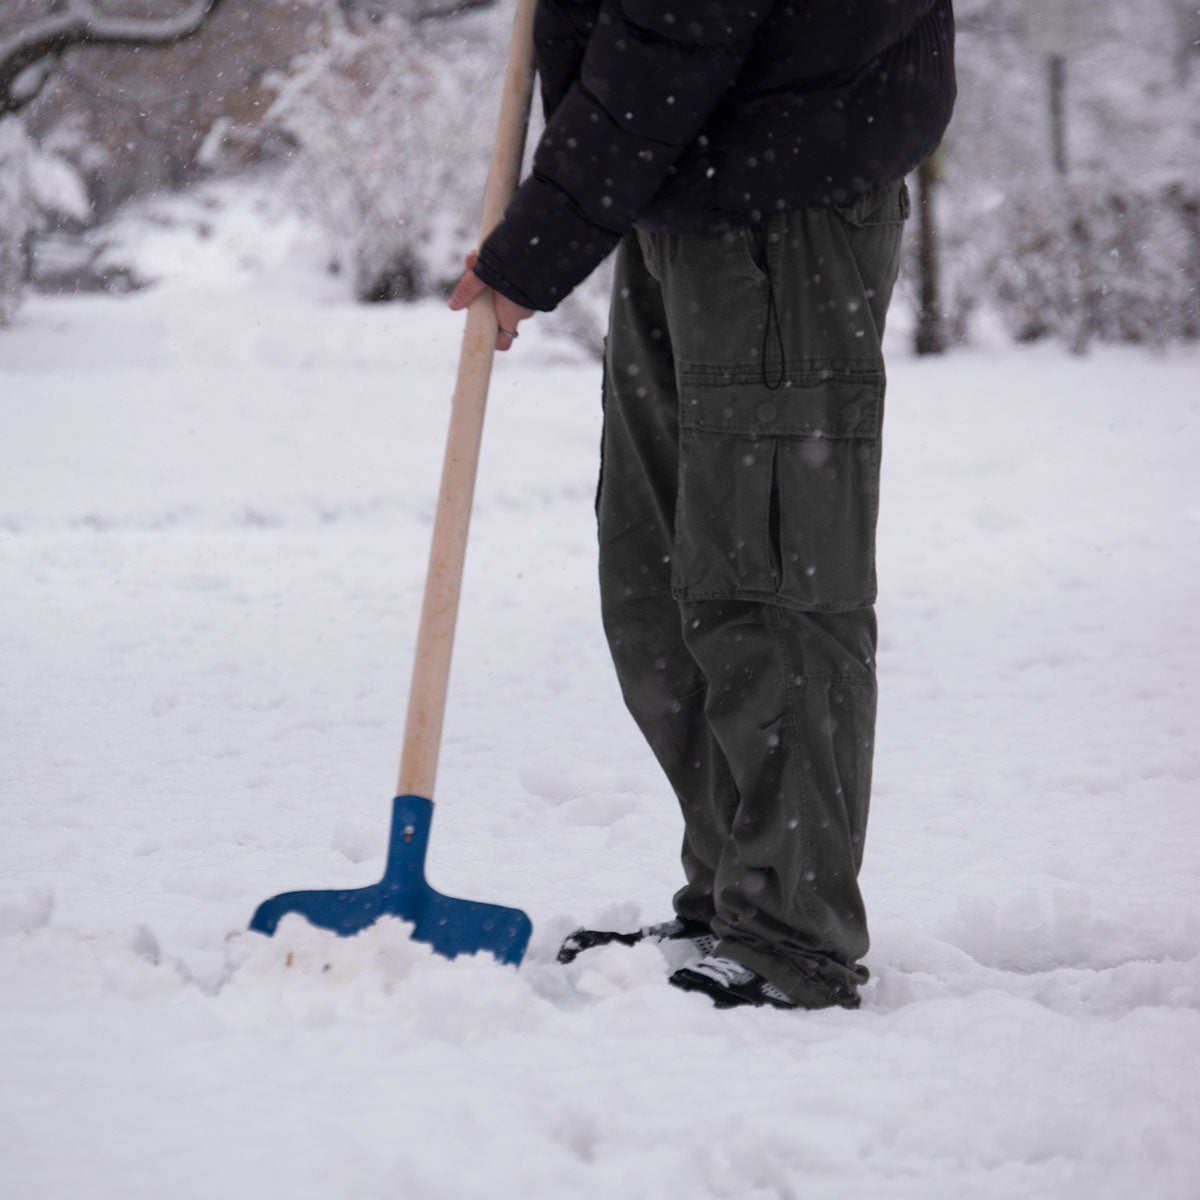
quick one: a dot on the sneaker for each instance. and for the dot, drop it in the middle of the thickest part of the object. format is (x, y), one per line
(729, 984)
(703, 940)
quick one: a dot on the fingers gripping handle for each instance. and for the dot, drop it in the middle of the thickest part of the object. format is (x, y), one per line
(443, 583)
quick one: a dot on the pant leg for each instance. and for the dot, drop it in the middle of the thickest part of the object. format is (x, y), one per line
(764, 716)
(791, 702)
(663, 685)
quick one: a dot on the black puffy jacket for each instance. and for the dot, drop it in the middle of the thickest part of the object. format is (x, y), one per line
(683, 115)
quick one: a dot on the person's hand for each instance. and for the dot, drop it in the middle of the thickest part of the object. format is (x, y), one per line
(508, 314)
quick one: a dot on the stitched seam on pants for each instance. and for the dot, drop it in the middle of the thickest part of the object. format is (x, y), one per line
(810, 372)
(820, 922)
(776, 599)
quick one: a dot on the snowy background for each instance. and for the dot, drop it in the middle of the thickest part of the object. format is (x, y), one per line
(215, 503)
(216, 497)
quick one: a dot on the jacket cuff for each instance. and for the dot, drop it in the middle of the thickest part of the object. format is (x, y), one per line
(547, 247)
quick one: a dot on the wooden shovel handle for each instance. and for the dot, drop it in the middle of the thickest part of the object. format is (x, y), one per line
(439, 613)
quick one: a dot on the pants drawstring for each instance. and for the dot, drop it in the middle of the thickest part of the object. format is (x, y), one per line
(772, 320)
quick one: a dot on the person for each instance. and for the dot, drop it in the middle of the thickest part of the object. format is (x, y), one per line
(746, 161)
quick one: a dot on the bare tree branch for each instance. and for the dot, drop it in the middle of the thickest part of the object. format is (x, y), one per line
(436, 9)
(26, 59)
(373, 11)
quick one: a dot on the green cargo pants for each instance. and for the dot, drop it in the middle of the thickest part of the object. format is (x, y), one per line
(739, 490)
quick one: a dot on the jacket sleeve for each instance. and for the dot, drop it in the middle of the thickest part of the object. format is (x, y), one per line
(561, 31)
(649, 79)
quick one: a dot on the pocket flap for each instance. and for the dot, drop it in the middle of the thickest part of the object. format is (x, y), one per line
(811, 403)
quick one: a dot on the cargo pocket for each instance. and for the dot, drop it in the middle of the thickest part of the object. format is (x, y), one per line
(779, 488)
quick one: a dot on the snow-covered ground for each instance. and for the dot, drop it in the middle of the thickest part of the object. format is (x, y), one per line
(215, 505)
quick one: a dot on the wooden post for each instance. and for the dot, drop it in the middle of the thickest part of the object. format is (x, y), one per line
(1058, 111)
(931, 330)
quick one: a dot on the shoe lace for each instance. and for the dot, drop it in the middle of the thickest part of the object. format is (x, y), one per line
(727, 973)
(723, 971)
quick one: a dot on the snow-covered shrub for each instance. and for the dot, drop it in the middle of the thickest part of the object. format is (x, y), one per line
(40, 192)
(393, 126)
(15, 214)
(1108, 251)
(56, 191)
(1079, 261)
(1115, 264)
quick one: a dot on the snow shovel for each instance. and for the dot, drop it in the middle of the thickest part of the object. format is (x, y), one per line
(449, 925)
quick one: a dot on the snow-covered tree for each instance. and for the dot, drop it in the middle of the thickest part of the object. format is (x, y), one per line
(40, 184)
(392, 124)
(30, 53)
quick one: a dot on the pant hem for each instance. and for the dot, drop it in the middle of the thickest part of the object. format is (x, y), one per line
(804, 988)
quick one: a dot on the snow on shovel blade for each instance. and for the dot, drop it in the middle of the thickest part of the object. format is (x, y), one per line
(450, 926)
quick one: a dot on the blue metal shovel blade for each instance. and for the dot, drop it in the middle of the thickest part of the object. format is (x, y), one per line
(450, 926)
